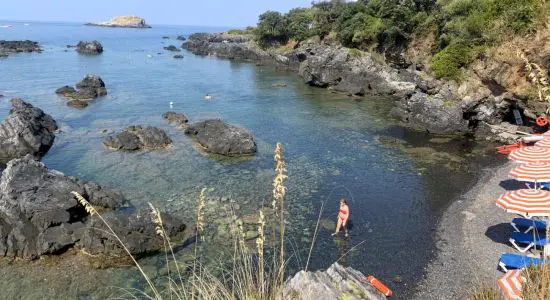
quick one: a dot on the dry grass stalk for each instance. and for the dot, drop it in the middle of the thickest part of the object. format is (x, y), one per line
(537, 76)
(537, 282)
(260, 245)
(486, 293)
(279, 191)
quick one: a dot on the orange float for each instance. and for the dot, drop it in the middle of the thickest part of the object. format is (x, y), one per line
(542, 121)
(379, 286)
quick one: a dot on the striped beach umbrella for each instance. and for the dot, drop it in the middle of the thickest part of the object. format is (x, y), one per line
(532, 172)
(526, 202)
(511, 284)
(543, 143)
(530, 154)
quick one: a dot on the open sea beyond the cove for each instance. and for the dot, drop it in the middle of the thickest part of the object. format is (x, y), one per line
(397, 181)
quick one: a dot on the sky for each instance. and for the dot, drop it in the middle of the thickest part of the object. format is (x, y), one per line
(235, 13)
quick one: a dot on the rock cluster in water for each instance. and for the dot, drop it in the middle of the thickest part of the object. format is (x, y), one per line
(27, 130)
(88, 89)
(39, 216)
(9, 47)
(136, 138)
(123, 21)
(219, 137)
(333, 283)
(89, 47)
(172, 48)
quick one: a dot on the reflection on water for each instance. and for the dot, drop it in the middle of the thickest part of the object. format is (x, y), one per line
(396, 181)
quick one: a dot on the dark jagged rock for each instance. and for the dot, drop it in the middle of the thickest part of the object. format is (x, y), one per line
(220, 138)
(181, 38)
(330, 284)
(180, 120)
(178, 56)
(90, 48)
(87, 89)
(136, 138)
(27, 130)
(7, 47)
(165, 37)
(172, 48)
(39, 216)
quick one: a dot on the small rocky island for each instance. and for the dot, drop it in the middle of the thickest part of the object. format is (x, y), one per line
(11, 47)
(89, 47)
(88, 89)
(123, 21)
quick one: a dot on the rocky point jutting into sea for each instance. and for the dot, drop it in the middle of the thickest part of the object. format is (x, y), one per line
(481, 104)
(122, 21)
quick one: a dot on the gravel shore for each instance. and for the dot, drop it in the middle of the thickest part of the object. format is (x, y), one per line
(470, 238)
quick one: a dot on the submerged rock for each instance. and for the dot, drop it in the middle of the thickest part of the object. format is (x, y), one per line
(135, 138)
(27, 130)
(88, 89)
(39, 216)
(336, 282)
(86, 47)
(180, 120)
(220, 138)
(172, 48)
(7, 47)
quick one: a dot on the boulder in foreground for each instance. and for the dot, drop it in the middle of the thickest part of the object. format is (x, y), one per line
(219, 137)
(336, 282)
(27, 130)
(136, 138)
(89, 47)
(123, 21)
(39, 216)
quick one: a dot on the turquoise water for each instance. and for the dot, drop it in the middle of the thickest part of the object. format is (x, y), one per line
(332, 148)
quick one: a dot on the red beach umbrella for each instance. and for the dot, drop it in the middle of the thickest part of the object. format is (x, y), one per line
(544, 143)
(530, 154)
(526, 202)
(532, 172)
(511, 284)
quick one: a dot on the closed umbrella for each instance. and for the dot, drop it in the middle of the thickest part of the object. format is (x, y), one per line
(530, 154)
(526, 202)
(511, 284)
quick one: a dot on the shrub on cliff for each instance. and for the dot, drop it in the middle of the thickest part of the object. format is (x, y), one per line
(271, 28)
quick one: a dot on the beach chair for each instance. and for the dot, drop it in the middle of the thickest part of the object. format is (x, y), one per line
(526, 225)
(509, 261)
(529, 239)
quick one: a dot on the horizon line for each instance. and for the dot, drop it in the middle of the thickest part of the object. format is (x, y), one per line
(156, 24)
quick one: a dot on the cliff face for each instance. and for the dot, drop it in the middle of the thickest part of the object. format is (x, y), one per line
(483, 103)
(123, 21)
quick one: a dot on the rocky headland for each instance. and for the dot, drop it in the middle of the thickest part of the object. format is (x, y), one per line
(481, 105)
(27, 130)
(123, 21)
(88, 89)
(11, 47)
(136, 138)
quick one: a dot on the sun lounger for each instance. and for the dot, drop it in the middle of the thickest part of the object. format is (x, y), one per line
(509, 261)
(529, 239)
(526, 225)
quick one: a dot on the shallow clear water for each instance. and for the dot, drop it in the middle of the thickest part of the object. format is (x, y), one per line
(332, 148)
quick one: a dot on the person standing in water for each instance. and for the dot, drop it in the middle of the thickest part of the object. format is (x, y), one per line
(343, 215)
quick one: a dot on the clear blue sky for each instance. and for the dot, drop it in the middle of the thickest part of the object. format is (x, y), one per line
(237, 13)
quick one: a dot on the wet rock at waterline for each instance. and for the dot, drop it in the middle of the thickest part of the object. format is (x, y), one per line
(27, 130)
(8, 47)
(219, 137)
(331, 284)
(172, 48)
(174, 118)
(135, 138)
(181, 38)
(89, 47)
(39, 216)
(88, 89)
(178, 56)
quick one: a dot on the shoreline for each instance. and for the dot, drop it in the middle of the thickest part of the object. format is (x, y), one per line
(470, 236)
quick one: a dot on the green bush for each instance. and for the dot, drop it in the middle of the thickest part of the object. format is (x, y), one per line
(299, 22)
(271, 28)
(247, 30)
(447, 62)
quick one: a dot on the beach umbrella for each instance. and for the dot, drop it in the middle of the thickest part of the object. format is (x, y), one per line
(530, 154)
(543, 143)
(532, 172)
(526, 202)
(511, 284)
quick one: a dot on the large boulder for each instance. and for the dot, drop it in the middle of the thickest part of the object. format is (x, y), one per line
(135, 138)
(27, 130)
(87, 47)
(220, 138)
(39, 216)
(88, 89)
(337, 282)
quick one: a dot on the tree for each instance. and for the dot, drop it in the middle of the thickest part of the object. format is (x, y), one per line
(299, 22)
(271, 28)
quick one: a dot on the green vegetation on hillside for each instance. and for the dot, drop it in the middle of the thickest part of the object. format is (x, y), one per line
(463, 28)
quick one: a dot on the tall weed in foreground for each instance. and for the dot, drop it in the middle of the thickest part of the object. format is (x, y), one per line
(247, 278)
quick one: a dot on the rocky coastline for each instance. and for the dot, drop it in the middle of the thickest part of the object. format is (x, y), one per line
(481, 105)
